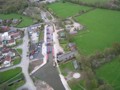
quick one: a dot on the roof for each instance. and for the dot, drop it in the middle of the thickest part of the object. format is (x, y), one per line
(11, 41)
(7, 58)
(5, 28)
(15, 34)
(66, 56)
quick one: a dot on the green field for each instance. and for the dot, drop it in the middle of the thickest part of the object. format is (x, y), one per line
(7, 75)
(26, 21)
(66, 67)
(95, 1)
(110, 73)
(64, 10)
(102, 30)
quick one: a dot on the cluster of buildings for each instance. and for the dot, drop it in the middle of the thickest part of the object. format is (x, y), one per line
(9, 21)
(33, 32)
(72, 27)
(6, 55)
(35, 45)
(8, 39)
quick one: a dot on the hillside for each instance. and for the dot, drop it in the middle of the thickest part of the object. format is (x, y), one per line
(9, 6)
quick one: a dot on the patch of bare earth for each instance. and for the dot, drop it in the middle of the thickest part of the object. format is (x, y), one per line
(34, 64)
(40, 85)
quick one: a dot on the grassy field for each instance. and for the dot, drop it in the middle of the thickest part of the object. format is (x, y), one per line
(26, 21)
(102, 30)
(95, 1)
(7, 75)
(110, 73)
(67, 67)
(64, 10)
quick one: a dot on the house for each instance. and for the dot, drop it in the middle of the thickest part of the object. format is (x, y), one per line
(15, 35)
(7, 51)
(7, 61)
(11, 42)
(65, 57)
(72, 46)
(5, 28)
(5, 36)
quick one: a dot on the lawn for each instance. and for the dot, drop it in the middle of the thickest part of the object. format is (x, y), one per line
(7, 75)
(76, 84)
(64, 10)
(26, 21)
(66, 67)
(110, 73)
(19, 51)
(102, 30)
(17, 61)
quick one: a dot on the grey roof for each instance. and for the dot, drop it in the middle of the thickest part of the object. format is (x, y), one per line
(66, 56)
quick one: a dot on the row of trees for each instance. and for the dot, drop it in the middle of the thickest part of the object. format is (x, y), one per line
(115, 5)
(89, 64)
(10, 6)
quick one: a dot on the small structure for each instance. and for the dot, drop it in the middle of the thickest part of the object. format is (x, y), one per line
(76, 66)
(15, 21)
(65, 57)
(62, 35)
(72, 46)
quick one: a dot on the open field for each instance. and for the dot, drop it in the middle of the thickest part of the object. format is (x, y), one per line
(102, 30)
(95, 1)
(26, 21)
(64, 10)
(7, 75)
(110, 73)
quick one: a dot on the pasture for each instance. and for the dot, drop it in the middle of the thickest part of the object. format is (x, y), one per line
(102, 29)
(26, 21)
(110, 73)
(65, 10)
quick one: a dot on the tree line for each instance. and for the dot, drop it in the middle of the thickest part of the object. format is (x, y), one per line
(12, 6)
(114, 5)
(90, 63)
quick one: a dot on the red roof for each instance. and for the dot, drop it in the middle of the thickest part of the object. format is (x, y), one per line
(5, 50)
(7, 58)
(11, 41)
(15, 34)
(5, 28)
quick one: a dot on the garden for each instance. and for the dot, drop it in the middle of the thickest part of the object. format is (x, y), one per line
(24, 20)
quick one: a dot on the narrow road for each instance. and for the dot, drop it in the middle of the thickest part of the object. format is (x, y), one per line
(25, 65)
